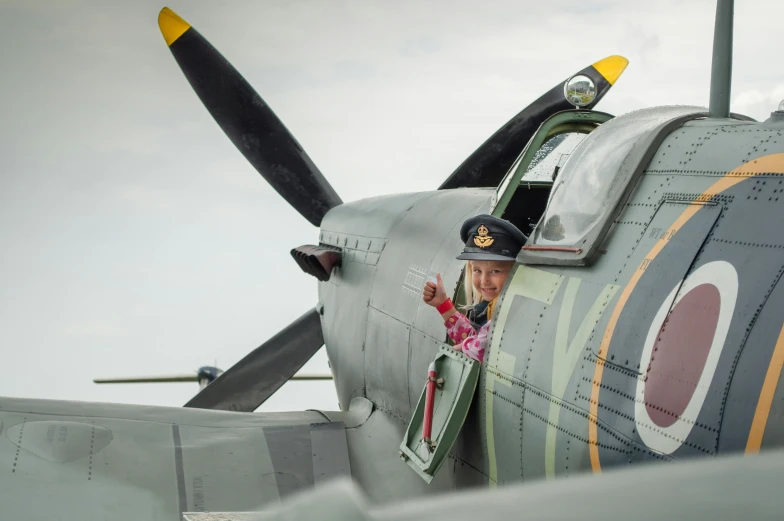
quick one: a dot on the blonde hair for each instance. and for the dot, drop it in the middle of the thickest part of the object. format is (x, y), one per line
(472, 296)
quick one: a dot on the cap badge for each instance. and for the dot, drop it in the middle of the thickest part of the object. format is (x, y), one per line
(483, 240)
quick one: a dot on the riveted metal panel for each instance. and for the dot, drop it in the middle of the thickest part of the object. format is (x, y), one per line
(712, 148)
(386, 362)
(374, 217)
(329, 452)
(412, 247)
(90, 462)
(290, 450)
(356, 248)
(344, 307)
(380, 471)
(508, 405)
(683, 244)
(742, 239)
(748, 397)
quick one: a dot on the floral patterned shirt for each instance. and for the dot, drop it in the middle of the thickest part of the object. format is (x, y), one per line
(467, 339)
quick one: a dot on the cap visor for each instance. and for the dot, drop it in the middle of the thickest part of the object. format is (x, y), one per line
(483, 256)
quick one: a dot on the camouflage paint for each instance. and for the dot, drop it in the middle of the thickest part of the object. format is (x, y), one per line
(529, 283)
(768, 164)
(766, 397)
(566, 354)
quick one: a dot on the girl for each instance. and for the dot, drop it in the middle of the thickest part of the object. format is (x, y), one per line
(491, 245)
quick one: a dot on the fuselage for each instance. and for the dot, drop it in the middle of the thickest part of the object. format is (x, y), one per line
(379, 334)
(664, 346)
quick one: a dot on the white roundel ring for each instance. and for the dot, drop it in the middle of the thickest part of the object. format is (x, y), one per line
(680, 355)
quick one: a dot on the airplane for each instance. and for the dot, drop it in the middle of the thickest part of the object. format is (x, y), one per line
(642, 327)
(204, 375)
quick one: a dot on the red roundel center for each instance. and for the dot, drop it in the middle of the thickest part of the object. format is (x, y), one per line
(679, 354)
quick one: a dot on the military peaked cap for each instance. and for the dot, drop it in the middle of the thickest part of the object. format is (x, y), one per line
(490, 238)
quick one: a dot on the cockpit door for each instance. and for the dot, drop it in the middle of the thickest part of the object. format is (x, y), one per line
(456, 376)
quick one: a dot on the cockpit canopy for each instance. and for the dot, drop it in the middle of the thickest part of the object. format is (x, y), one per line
(600, 172)
(552, 156)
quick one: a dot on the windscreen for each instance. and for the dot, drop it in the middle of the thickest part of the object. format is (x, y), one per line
(552, 156)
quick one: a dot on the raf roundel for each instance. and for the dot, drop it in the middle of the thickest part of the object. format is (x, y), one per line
(681, 353)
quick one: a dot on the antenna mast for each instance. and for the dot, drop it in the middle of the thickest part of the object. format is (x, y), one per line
(721, 70)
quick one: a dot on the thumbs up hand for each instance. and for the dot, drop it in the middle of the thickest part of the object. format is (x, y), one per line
(434, 294)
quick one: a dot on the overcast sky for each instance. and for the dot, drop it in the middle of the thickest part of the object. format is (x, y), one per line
(135, 238)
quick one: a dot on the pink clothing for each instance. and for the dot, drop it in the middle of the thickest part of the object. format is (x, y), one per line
(472, 342)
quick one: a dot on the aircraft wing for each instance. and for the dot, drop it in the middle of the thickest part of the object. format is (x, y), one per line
(95, 461)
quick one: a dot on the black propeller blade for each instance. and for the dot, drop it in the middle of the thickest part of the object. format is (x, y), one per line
(490, 162)
(249, 382)
(248, 121)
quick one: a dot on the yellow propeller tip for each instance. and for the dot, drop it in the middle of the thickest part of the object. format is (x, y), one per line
(611, 68)
(172, 26)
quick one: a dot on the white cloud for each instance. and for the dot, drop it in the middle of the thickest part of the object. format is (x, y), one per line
(758, 103)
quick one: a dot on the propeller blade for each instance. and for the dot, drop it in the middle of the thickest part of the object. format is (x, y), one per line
(189, 377)
(248, 121)
(249, 382)
(491, 161)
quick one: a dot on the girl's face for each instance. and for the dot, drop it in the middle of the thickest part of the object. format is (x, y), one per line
(489, 277)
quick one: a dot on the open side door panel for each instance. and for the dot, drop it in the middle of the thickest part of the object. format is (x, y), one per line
(457, 377)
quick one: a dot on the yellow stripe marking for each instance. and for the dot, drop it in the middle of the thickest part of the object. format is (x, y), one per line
(172, 26)
(773, 163)
(766, 396)
(611, 68)
(537, 284)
